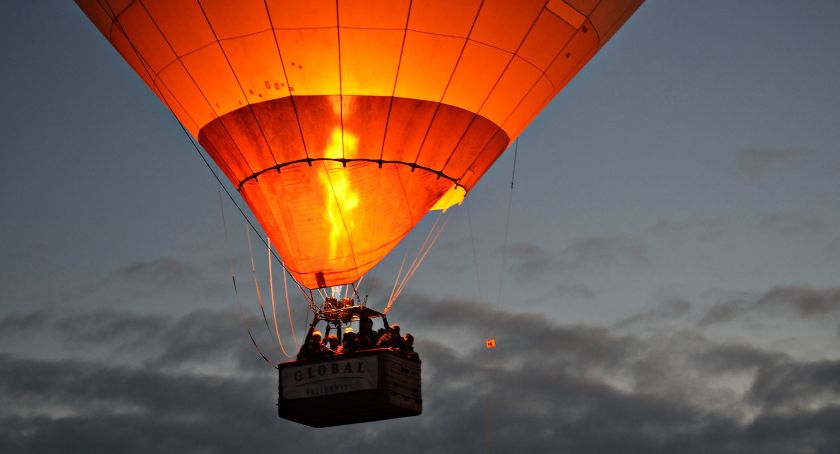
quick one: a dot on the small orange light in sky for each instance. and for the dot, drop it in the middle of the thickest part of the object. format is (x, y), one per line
(490, 343)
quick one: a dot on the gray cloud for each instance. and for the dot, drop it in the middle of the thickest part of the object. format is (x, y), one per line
(530, 262)
(697, 227)
(801, 300)
(160, 273)
(17, 323)
(156, 280)
(792, 387)
(548, 386)
(198, 337)
(792, 223)
(600, 252)
(668, 309)
(109, 325)
(753, 163)
(572, 290)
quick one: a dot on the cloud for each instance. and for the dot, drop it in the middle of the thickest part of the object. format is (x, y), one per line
(673, 308)
(160, 273)
(109, 325)
(792, 223)
(698, 227)
(530, 262)
(572, 290)
(547, 387)
(792, 387)
(196, 338)
(753, 163)
(600, 252)
(156, 282)
(21, 322)
(804, 301)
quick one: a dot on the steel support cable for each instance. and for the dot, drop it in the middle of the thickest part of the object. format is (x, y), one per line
(428, 242)
(289, 311)
(488, 401)
(421, 257)
(399, 279)
(488, 413)
(256, 282)
(507, 223)
(399, 282)
(273, 305)
(357, 286)
(396, 280)
(241, 311)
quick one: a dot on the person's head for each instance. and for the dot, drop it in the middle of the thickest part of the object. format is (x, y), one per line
(332, 339)
(349, 337)
(409, 339)
(395, 329)
(365, 324)
(316, 337)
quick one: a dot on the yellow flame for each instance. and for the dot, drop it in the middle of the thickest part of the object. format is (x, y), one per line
(341, 199)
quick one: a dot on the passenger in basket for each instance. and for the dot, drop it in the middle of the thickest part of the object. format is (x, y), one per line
(367, 337)
(409, 343)
(332, 343)
(348, 344)
(384, 340)
(314, 349)
(397, 342)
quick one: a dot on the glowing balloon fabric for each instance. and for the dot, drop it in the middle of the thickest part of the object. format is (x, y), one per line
(343, 122)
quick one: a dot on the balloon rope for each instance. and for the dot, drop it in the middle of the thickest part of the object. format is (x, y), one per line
(431, 239)
(256, 282)
(236, 289)
(420, 258)
(273, 305)
(358, 285)
(289, 311)
(507, 223)
(396, 280)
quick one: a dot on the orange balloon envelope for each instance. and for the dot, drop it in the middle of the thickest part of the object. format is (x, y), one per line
(343, 122)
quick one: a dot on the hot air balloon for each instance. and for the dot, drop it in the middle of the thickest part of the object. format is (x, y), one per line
(343, 122)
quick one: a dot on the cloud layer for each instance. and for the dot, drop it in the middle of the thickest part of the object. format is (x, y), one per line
(194, 384)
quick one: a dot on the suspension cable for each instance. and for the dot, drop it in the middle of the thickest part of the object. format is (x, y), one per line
(507, 222)
(273, 306)
(428, 242)
(397, 280)
(421, 257)
(289, 311)
(241, 310)
(256, 282)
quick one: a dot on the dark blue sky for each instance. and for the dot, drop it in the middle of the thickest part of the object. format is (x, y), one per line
(675, 210)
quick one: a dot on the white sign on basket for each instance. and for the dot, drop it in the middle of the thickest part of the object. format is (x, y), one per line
(333, 377)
